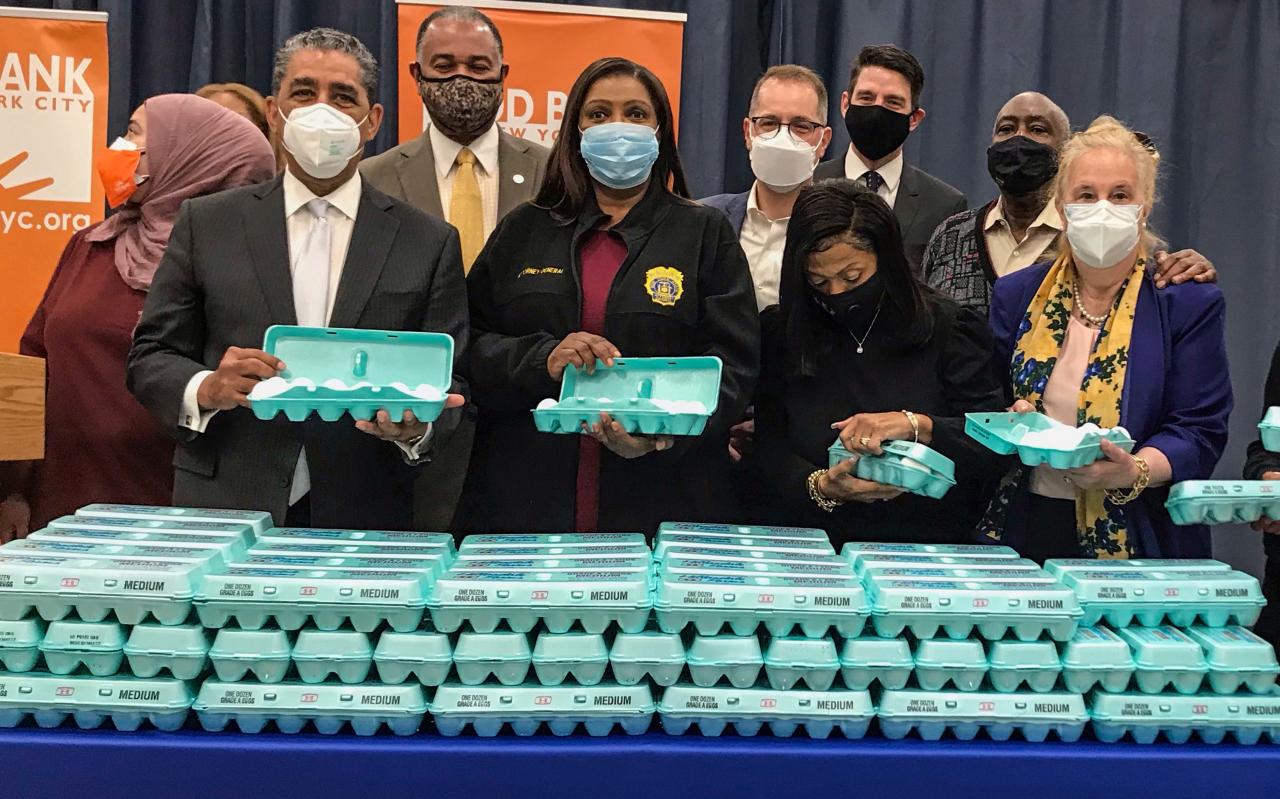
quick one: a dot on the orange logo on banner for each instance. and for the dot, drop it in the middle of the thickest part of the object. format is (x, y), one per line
(53, 113)
(547, 50)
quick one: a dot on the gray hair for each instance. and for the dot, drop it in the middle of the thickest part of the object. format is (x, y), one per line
(327, 39)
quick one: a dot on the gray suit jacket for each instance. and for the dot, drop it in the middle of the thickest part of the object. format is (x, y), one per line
(923, 203)
(224, 279)
(408, 172)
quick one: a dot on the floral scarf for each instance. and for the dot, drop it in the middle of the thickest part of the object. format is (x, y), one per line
(1100, 524)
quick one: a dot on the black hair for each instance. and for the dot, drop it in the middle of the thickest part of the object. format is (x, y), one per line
(464, 13)
(844, 211)
(892, 57)
(567, 184)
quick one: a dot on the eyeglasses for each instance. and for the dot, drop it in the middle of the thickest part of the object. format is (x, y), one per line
(768, 127)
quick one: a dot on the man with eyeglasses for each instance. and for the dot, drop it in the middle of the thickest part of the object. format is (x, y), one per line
(786, 133)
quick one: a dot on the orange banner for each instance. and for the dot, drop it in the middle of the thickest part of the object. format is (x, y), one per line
(53, 114)
(547, 47)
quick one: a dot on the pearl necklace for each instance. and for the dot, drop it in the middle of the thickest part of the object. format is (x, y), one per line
(1096, 321)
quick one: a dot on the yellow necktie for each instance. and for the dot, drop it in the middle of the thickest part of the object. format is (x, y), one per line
(465, 210)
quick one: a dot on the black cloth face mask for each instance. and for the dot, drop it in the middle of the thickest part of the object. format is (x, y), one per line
(855, 308)
(875, 130)
(1020, 165)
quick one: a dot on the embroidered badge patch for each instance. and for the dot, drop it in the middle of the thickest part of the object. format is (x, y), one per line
(665, 285)
(529, 271)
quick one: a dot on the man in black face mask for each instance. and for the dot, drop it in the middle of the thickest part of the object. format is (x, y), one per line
(971, 250)
(881, 107)
(464, 169)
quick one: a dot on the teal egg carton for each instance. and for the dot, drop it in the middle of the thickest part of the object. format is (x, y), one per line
(743, 546)
(1223, 501)
(227, 549)
(961, 607)
(870, 659)
(559, 656)
(180, 649)
(293, 705)
(505, 656)
(1007, 434)
(651, 653)
(1060, 566)
(226, 531)
(865, 563)
(735, 531)
(126, 701)
(748, 710)
(333, 557)
(744, 602)
(933, 713)
(336, 371)
(577, 551)
(259, 521)
(858, 551)
(488, 708)
(818, 558)
(914, 468)
(647, 396)
(939, 661)
(1248, 718)
(131, 588)
(1013, 664)
(211, 558)
(1096, 656)
(602, 563)
(20, 643)
(790, 661)
(70, 644)
(1269, 430)
(596, 600)
(344, 654)
(1238, 659)
(329, 598)
(1165, 657)
(237, 653)
(425, 654)
(834, 567)
(1149, 596)
(365, 538)
(735, 658)
(959, 572)
(553, 540)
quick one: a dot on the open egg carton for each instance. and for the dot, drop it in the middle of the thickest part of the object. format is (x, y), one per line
(647, 396)
(1223, 501)
(490, 707)
(1124, 592)
(126, 701)
(748, 710)
(1144, 718)
(932, 714)
(330, 707)
(333, 371)
(915, 468)
(1039, 440)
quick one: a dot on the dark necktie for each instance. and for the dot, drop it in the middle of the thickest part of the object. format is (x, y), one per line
(873, 181)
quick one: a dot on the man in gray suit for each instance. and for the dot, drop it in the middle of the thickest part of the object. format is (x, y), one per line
(317, 246)
(464, 169)
(881, 107)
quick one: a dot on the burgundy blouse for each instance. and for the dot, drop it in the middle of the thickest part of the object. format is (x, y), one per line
(100, 444)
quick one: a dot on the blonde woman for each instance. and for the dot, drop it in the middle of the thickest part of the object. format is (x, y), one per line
(1090, 338)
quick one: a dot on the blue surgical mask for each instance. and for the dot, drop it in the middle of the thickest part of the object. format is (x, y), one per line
(620, 154)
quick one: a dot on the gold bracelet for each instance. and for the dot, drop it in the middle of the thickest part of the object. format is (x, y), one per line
(826, 503)
(915, 425)
(1119, 497)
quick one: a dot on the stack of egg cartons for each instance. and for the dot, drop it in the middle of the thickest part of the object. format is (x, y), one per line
(1165, 645)
(303, 618)
(965, 640)
(534, 618)
(787, 598)
(111, 589)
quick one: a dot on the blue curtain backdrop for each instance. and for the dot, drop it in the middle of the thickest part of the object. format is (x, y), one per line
(1200, 76)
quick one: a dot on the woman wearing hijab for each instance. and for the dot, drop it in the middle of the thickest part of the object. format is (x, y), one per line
(100, 444)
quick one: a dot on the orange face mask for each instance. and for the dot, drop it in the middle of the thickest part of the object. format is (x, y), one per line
(117, 168)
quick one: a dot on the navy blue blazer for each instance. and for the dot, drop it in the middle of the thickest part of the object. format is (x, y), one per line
(1177, 397)
(734, 206)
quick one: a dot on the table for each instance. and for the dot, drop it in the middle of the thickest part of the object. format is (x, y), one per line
(105, 764)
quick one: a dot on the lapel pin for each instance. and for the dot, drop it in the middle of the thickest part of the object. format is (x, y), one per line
(517, 179)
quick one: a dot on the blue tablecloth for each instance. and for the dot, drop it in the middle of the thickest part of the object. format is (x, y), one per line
(104, 764)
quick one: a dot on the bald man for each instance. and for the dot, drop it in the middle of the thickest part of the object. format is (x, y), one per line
(970, 250)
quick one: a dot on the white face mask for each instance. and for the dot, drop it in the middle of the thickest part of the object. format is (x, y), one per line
(1102, 234)
(322, 139)
(782, 163)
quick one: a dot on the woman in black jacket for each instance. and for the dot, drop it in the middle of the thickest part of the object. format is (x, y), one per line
(610, 259)
(859, 347)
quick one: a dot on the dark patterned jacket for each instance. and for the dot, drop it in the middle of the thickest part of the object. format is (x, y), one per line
(957, 262)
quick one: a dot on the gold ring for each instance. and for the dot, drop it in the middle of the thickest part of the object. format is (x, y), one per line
(865, 441)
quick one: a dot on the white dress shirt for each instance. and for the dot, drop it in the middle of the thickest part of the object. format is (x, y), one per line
(344, 202)
(1008, 254)
(485, 148)
(763, 240)
(891, 173)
